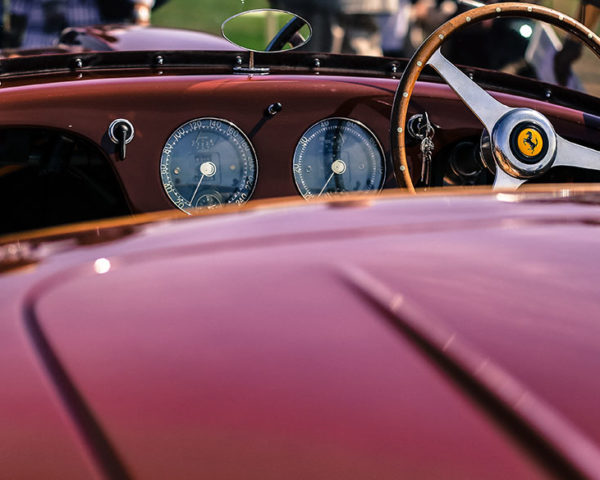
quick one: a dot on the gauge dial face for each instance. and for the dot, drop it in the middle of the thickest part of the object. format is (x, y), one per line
(338, 155)
(208, 162)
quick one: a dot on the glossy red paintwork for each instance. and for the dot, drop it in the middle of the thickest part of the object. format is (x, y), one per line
(244, 345)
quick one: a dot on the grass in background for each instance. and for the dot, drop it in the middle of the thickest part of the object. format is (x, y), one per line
(204, 15)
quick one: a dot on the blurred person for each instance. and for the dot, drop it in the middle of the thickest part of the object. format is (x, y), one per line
(319, 14)
(357, 30)
(124, 11)
(43, 20)
(414, 20)
(492, 44)
(425, 17)
(394, 30)
(342, 26)
(572, 47)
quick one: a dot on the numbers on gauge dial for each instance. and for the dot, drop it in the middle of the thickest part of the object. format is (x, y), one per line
(336, 156)
(208, 162)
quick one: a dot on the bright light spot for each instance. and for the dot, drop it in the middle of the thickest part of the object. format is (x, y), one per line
(102, 265)
(508, 197)
(526, 31)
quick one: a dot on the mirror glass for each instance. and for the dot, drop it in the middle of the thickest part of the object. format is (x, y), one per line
(267, 30)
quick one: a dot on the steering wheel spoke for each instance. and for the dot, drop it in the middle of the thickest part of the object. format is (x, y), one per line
(482, 104)
(504, 181)
(569, 154)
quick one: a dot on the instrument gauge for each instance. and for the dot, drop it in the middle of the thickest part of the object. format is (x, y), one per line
(208, 162)
(338, 155)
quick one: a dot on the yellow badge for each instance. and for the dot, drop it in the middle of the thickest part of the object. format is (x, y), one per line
(530, 142)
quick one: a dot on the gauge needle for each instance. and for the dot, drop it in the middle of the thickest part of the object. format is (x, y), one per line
(207, 169)
(197, 187)
(326, 183)
(337, 168)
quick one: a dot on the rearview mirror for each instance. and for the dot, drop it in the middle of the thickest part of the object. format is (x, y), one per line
(267, 30)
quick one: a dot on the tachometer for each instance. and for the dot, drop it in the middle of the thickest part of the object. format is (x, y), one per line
(208, 162)
(338, 155)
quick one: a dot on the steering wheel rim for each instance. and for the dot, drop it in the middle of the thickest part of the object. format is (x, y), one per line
(430, 48)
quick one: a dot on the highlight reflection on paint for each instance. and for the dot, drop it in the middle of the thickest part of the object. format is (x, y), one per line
(102, 265)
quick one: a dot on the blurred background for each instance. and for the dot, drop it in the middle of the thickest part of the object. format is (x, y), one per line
(212, 13)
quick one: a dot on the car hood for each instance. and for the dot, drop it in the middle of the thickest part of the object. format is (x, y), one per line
(355, 339)
(134, 37)
(119, 38)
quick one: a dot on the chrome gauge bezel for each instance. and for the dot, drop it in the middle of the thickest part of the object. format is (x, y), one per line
(302, 145)
(243, 146)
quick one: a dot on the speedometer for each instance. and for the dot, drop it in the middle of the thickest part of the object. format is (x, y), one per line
(338, 155)
(208, 162)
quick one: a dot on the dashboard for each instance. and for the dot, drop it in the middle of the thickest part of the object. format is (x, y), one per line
(284, 135)
(206, 140)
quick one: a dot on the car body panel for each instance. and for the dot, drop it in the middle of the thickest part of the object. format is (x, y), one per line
(172, 338)
(37, 440)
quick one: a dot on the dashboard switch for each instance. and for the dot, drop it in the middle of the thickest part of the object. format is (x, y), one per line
(274, 108)
(121, 133)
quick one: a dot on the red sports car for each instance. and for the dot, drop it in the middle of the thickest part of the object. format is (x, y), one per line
(366, 325)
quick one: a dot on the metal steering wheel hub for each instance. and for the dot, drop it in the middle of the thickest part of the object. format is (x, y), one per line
(523, 144)
(518, 143)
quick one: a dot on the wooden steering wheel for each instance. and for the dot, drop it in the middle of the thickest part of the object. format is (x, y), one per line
(523, 143)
